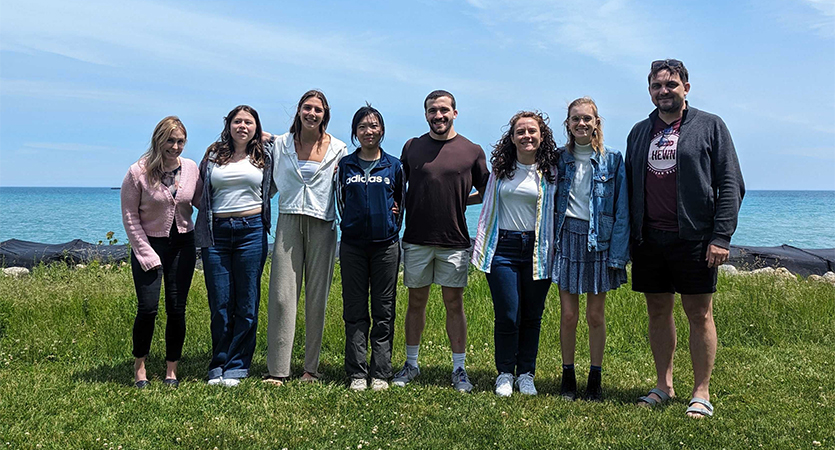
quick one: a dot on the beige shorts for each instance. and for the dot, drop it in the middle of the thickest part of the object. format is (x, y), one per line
(427, 264)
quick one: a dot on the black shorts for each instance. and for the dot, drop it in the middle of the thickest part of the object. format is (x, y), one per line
(665, 263)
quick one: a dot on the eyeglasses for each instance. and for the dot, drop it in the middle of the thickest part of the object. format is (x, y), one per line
(666, 63)
(577, 119)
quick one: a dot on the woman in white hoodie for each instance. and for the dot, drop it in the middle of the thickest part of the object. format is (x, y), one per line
(305, 236)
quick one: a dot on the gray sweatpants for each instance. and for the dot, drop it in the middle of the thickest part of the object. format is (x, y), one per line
(304, 246)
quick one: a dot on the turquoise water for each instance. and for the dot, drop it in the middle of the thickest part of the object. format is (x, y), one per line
(803, 219)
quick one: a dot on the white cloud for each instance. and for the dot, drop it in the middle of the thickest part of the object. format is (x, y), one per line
(100, 32)
(611, 31)
(824, 21)
(817, 16)
(825, 7)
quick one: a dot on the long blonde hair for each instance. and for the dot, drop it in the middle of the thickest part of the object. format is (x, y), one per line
(152, 161)
(596, 134)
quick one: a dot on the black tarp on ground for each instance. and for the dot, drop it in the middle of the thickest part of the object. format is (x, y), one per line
(29, 254)
(799, 261)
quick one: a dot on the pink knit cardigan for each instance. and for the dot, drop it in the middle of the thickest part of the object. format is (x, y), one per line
(150, 211)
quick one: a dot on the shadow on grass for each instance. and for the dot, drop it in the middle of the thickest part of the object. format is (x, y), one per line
(620, 396)
(190, 367)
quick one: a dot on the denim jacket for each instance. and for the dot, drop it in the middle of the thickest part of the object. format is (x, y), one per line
(608, 205)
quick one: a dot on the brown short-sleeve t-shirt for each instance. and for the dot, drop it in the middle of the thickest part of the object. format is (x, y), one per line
(440, 176)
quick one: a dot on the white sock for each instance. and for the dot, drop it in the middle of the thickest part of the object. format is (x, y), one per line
(412, 354)
(458, 360)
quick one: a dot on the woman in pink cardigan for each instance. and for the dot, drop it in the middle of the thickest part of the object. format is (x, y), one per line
(158, 194)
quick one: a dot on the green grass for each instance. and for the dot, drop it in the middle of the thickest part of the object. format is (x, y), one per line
(66, 377)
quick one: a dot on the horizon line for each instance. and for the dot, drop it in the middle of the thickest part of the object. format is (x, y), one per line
(119, 187)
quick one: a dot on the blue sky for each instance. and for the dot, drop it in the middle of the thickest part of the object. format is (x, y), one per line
(82, 84)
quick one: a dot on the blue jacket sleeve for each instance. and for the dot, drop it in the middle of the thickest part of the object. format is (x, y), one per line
(619, 245)
(399, 193)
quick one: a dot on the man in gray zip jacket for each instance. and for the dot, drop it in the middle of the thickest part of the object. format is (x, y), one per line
(685, 190)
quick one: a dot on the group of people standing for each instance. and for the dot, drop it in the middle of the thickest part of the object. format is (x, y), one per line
(573, 216)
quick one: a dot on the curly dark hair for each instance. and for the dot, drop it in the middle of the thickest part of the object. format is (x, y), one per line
(221, 151)
(503, 158)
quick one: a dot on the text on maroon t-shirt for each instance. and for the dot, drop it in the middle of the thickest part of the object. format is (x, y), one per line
(661, 194)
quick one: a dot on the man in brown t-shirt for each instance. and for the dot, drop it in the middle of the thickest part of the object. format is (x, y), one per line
(441, 167)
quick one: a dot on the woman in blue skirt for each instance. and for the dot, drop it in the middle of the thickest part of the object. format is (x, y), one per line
(592, 230)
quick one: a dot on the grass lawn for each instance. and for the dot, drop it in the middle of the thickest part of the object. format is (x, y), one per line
(66, 377)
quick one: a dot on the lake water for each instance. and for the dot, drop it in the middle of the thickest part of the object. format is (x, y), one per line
(803, 219)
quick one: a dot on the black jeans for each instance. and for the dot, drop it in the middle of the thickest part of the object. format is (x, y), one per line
(361, 266)
(178, 257)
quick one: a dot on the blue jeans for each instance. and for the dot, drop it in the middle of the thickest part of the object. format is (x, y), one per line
(518, 302)
(233, 268)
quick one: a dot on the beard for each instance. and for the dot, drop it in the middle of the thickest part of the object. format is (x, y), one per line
(674, 104)
(439, 126)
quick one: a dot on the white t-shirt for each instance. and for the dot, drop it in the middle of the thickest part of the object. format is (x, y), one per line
(517, 199)
(580, 194)
(236, 187)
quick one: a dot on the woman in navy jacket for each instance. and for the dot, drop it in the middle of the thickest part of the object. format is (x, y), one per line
(369, 190)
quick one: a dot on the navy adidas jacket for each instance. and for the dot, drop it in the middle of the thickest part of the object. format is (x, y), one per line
(365, 205)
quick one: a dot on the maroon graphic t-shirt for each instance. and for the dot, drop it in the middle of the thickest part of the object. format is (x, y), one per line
(661, 210)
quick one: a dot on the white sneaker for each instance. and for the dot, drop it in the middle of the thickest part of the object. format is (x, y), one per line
(378, 384)
(358, 384)
(525, 384)
(504, 384)
(215, 381)
(231, 382)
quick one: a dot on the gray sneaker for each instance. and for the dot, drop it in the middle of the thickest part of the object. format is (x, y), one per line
(460, 381)
(358, 384)
(525, 384)
(378, 384)
(406, 374)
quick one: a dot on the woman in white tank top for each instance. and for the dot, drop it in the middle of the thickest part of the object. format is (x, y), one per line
(235, 210)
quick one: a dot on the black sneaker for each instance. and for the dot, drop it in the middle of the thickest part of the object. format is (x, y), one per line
(568, 387)
(594, 391)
